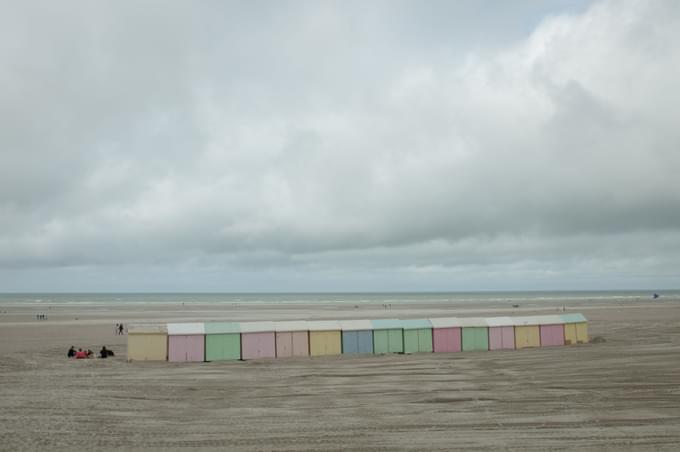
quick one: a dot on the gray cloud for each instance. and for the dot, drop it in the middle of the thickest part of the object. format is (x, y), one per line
(339, 146)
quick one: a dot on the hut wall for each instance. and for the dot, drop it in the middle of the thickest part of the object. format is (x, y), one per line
(147, 347)
(501, 338)
(292, 343)
(552, 335)
(446, 340)
(527, 336)
(418, 340)
(222, 347)
(186, 348)
(325, 343)
(576, 333)
(300, 343)
(284, 344)
(258, 345)
(350, 342)
(475, 339)
(388, 341)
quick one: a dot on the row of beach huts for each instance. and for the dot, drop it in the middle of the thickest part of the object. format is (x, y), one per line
(222, 341)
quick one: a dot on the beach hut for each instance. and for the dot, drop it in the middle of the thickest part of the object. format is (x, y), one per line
(222, 341)
(474, 334)
(147, 342)
(292, 339)
(446, 335)
(325, 338)
(357, 336)
(527, 332)
(186, 342)
(258, 340)
(575, 329)
(501, 333)
(417, 335)
(388, 336)
(551, 329)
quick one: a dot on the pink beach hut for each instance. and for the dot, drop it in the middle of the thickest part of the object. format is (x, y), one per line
(292, 339)
(551, 330)
(258, 340)
(501, 333)
(186, 342)
(446, 335)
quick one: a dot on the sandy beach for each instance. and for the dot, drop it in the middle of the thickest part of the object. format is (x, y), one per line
(622, 394)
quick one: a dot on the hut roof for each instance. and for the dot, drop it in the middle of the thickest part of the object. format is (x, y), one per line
(222, 327)
(182, 329)
(472, 322)
(386, 324)
(538, 320)
(414, 324)
(355, 325)
(499, 321)
(445, 322)
(291, 325)
(257, 327)
(573, 318)
(323, 325)
(148, 328)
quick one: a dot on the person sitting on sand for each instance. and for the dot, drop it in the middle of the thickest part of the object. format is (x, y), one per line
(71, 352)
(103, 353)
(90, 353)
(80, 354)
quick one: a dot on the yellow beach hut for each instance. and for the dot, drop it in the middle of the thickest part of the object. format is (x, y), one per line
(575, 329)
(147, 342)
(325, 337)
(527, 332)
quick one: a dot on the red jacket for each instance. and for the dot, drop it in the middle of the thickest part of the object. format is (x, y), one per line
(81, 355)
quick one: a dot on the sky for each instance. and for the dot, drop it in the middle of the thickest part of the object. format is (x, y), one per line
(306, 146)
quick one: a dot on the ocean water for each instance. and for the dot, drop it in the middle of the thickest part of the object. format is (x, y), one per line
(548, 297)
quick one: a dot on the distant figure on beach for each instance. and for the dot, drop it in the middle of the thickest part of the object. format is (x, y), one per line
(656, 295)
(116, 330)
(103, 353)
(120, 329)
(71, 352)
(80, 354)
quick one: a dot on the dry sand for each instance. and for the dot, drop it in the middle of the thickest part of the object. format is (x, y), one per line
(620, 395)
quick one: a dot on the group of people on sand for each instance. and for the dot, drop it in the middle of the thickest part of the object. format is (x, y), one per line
(83, 354)
(41, 316)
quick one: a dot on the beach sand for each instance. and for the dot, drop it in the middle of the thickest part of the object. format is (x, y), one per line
(623, 394)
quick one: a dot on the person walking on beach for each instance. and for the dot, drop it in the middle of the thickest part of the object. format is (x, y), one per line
(120, 329)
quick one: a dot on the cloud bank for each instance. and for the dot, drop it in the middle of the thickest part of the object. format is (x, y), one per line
(339, 146)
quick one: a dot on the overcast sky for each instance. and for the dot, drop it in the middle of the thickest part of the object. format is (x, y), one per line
(339, 146)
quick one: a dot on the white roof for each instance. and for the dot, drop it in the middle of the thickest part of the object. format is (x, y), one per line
(355, 325)
(291, 325)
(445, 322)
(148, 328)
(257, 327)
(499, 321)
(472, 322)
(181, 329)
(324, 325)
(538, 320)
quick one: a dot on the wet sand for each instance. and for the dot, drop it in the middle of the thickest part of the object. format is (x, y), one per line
(623, 394)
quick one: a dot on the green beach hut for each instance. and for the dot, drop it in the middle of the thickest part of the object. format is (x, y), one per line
(475, 334)
(388, 336)
(222, 341)
(417, 335)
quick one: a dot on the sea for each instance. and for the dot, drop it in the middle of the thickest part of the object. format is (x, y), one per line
(534, 297)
